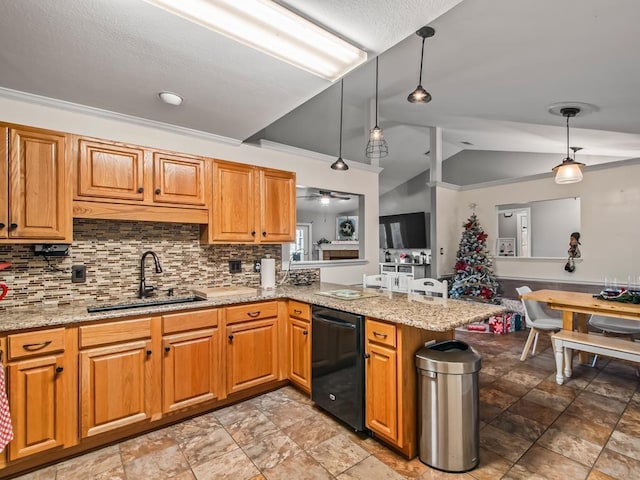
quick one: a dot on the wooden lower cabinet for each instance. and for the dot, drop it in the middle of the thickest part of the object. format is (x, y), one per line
(299, 338)
(382, 396)
(116, 375)
(251, 345)
(42, 391)
(191, 370)
(251, 354)
(116, 381)
(391, 410)
(37, 405)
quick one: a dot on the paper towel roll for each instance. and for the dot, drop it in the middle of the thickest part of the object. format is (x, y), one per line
(268, 273)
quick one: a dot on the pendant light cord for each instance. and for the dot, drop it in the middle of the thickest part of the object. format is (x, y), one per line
(421, 60)
(341, 97)
(568, 158)
(376, 91)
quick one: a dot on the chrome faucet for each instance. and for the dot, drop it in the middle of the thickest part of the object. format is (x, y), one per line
(145, 290)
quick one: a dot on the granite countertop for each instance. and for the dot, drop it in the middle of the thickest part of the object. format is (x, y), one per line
(428, 313)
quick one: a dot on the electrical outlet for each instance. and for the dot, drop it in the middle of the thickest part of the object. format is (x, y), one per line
(257, 266)
(78, 274)
(235, 266)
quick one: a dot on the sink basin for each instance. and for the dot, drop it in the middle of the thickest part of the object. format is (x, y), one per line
(149, 303)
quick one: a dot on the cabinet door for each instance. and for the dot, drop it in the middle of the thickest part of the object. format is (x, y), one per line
(40, 200)
(233, 212)
(277, 206)
(402, 282)
(4, 182)
(179, 179)
(115, 386)
(300, 352)
(389, 280)
(110, 170)
(36, 399)
(381, 391)
(191, 368)
(251, 353)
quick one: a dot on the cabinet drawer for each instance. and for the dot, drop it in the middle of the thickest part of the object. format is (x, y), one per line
(30, 344)
(180, 322)
(299, 310)
(382, 333)
(104, 333)
(253, 311)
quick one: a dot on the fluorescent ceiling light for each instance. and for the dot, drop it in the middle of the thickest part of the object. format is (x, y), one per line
(274, 30)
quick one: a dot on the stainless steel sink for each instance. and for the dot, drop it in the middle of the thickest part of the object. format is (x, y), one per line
(141, 304)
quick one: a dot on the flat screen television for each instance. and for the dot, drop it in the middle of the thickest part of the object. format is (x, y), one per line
(406, 230)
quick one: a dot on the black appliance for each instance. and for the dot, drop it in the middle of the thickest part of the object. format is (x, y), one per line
(337, 364)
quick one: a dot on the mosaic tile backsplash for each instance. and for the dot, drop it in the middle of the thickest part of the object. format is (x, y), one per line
(111, 252)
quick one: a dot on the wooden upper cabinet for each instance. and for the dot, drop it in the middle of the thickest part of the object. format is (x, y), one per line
(110, 170)
(4, 183)
(252, 204)
(277, 206)
(180, 179)
(35, 182)
(114, 173)
(234, 203)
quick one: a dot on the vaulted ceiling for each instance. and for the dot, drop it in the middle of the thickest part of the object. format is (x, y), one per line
(493, 67)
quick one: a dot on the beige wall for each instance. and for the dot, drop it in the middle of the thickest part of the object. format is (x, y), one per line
(310, 171)
(610, 229)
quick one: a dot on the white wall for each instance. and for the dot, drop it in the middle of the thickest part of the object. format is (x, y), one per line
(448, 229)
(610, 198)
(310, 171)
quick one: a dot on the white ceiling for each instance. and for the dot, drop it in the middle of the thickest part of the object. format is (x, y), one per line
(492, 68)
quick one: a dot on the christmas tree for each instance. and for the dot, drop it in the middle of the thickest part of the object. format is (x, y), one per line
(474, 277)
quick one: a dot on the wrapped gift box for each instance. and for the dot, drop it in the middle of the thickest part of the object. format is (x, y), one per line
(505, 323)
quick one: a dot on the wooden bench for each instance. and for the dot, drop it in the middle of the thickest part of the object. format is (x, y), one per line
(565, 341)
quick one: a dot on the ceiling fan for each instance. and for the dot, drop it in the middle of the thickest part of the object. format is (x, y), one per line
(325, 196)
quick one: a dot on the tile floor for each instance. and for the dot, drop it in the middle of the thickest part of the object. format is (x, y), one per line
(530, 428)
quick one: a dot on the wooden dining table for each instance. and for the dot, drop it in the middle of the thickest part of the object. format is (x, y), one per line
(579, 306)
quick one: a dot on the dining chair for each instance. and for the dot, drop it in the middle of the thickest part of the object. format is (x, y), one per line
(537, 320)
(428, 286)
(376, 281)
(613, 325)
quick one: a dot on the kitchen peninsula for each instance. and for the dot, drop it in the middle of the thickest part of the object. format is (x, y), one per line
(127, 371)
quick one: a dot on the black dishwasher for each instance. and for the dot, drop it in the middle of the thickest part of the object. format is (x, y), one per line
(337, 364)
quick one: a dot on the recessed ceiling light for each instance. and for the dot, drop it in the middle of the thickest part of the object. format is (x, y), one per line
(274, 30)
(464, 142)
(170, 98)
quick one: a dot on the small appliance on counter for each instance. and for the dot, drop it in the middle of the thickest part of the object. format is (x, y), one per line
(268, 274)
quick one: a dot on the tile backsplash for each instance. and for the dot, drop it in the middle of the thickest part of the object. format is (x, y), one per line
(111, 252)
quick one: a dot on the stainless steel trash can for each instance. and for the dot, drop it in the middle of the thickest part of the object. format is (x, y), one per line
(448, 390)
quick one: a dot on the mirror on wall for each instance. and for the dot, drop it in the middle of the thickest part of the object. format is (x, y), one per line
(537, 229)
(328, 226)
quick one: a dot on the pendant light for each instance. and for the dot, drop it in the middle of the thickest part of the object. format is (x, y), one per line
(420, 95)
(340, 164)
(377, 146)
(569, 171)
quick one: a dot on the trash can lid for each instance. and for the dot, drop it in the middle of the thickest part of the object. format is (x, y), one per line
(450, 356)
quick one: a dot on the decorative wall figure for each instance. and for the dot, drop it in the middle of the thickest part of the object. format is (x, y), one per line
(574, 252)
